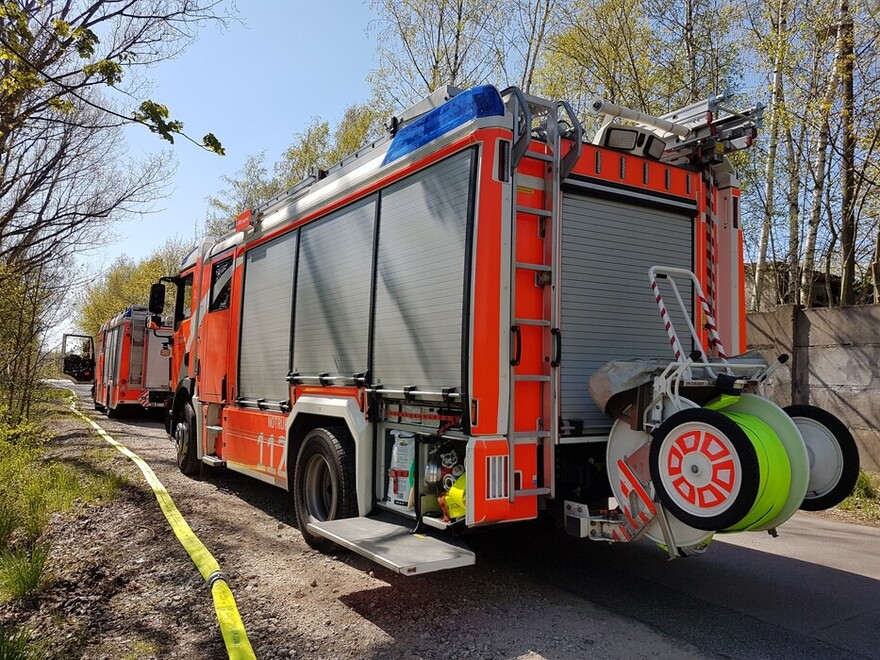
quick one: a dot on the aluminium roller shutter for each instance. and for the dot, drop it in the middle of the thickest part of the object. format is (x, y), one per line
(607, 309)
(333, 292)
(264, 357)
(420, 277)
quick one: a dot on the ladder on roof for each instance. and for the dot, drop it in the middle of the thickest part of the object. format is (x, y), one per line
(537, 169)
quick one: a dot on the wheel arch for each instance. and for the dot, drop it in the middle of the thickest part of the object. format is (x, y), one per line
(310, 412)
(182, 394)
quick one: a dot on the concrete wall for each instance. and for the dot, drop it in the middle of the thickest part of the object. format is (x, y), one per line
(835, 365)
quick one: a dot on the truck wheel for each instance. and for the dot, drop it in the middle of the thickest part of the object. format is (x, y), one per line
(323, 482)
(704, 469)
(834, 457)
(185, 440)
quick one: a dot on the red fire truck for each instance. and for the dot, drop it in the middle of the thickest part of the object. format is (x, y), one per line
(132, 363)
(406, 340)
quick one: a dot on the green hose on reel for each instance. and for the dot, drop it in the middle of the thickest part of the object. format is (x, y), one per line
(774, 471)
(719, 468)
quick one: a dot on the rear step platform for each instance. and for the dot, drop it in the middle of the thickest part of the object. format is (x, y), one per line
(388, 541)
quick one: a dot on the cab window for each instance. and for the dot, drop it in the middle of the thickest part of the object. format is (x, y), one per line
(221, 282)
(183, 306)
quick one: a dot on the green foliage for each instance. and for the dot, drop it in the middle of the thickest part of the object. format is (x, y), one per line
(211, 143)
(44, 44)
(126, 283)
(26, 296)
(643, 54)
(307, 153)
(865, 498)
(33, 487)
(312, 149)
(251, 186)
(85, 41)
(23, 572)
(360, 124)
(19, 645)
(64, 106)
(157, 118)
(108, 70)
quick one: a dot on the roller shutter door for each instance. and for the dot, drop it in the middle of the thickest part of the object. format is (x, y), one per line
(333, 293)
(607, 309)
(420, 277)
(264, 358)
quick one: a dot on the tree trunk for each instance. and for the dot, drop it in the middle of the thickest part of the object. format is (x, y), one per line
(794, 220)
(819, 167)
(847, 183)
(770, 169)
(875, 270)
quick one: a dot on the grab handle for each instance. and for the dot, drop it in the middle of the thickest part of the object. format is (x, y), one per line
(517, 346)
(557, 359)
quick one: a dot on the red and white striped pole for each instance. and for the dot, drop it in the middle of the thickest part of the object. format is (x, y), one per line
(714, 338)
(664, 315)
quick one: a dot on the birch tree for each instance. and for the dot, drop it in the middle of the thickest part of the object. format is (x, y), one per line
(423, 44)
(778, 40)
(819, 165)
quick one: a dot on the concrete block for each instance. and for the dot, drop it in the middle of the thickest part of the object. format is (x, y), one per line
(858, 409)
(842, 326)
(868, 442)
(771, 331)
(842, 366)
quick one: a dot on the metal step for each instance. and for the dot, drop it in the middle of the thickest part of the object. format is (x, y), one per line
(547, 158)
(213, 461)
(544, 213)
(388, 541)
(535, 378)
(523, 265)
(541, 322)
(544, 323)
(213, 427)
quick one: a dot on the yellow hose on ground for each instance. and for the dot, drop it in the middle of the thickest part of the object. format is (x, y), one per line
(231, 626)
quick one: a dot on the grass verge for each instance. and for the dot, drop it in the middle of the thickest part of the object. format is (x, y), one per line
(864, 502)
(16, 644)
(23, 571)
(35, 484)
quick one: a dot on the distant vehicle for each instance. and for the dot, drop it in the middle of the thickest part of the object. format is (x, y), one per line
(78, 358)
(405, 341)
(132, 368)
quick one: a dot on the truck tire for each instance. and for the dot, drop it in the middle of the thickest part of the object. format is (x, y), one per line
(704, 469)
(834, 457)
(185, 440)
(323, 483)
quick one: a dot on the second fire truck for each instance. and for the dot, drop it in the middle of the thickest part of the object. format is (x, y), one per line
(131, 363)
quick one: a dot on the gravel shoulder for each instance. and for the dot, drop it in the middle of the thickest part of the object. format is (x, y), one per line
(123, 587)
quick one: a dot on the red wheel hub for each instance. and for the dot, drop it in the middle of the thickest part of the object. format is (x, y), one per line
(701, 469)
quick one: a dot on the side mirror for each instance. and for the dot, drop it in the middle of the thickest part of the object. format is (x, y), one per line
(157, 299)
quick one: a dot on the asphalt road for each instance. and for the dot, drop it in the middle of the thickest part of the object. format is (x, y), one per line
(813, 592)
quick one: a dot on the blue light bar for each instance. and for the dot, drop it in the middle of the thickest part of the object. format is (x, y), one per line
(481, 101)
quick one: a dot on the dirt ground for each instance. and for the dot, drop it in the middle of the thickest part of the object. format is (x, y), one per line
(123, 587)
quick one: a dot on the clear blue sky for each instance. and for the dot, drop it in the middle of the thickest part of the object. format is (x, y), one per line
(253, 85)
